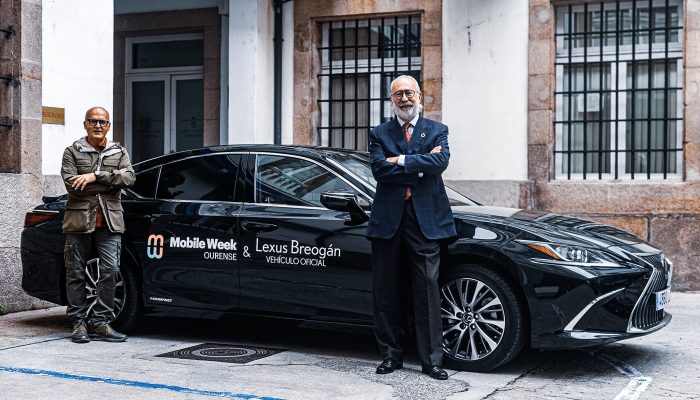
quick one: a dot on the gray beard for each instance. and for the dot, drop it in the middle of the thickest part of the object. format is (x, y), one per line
(407, 115)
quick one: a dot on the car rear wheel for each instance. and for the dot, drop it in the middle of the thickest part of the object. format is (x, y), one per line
(127, 297)
(482, 319)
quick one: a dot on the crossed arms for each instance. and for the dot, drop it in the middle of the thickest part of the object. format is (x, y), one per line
(387, 170)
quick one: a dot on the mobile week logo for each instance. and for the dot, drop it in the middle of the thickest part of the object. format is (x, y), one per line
(154, 246)
(156, 243)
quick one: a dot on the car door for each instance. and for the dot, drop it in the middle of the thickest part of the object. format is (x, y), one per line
(191, 244)
(299, 258)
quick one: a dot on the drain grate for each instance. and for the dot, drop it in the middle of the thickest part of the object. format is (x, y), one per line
(230, 353)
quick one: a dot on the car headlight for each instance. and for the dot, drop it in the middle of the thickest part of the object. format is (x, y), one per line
(570, 255)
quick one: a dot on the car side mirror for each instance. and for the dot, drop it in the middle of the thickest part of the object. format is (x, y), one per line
(344, 201)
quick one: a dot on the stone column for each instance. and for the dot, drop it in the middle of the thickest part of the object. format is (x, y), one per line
(20, 144)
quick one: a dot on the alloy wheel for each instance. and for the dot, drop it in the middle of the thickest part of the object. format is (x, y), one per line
(92, 276)
(473, 319)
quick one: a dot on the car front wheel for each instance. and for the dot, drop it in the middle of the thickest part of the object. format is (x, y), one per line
(482, 318)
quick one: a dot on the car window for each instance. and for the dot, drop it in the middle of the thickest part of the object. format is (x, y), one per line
(211, 178)
(145, 185)
(294, 181)
(358, 165)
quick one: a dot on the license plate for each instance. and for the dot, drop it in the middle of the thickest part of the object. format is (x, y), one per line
(663, 298)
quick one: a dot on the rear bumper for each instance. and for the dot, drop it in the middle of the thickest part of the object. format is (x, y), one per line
(43, 274)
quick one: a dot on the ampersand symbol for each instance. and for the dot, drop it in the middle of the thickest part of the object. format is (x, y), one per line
(245, 251)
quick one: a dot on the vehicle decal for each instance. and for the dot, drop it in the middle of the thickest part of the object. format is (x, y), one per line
(154, 246)
(295, 253)
(215, 249)
(162, 299)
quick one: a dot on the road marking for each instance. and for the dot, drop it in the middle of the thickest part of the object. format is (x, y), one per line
(638, 382)
(146, 385)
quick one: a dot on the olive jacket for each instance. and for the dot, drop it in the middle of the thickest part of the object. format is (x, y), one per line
(113, 170)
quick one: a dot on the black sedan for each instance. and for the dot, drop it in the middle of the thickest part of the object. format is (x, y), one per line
(280, 231)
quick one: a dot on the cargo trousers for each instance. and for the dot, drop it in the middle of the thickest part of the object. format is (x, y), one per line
(93, 307)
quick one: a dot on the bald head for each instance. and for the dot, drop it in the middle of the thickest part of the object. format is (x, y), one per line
(97, 125)
(93, 109)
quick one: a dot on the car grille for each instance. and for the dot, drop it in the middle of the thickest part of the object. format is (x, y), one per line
(645, 315)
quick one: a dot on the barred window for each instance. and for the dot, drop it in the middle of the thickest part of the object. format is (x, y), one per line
(359, 59)
(618, 90)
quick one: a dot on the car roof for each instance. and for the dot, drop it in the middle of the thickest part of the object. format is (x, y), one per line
(310, 151)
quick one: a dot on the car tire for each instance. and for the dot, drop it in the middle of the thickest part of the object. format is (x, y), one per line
(490, 313)
(130, 314)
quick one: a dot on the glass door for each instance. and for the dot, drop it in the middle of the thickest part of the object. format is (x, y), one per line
(147, 117)
(164, 114)
(188, 119)
(164, 102)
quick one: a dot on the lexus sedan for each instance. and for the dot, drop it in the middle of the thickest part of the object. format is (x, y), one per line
(280, 231)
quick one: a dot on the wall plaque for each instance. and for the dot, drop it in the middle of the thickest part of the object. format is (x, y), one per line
(53, 115)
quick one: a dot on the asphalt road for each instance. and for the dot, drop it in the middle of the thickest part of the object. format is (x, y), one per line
(38, 361)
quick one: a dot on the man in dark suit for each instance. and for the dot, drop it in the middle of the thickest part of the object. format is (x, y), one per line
(410, 214)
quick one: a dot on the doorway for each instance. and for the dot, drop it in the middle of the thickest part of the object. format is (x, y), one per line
(164, 102)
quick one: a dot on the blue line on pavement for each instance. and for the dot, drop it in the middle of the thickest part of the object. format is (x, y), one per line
(138, 384)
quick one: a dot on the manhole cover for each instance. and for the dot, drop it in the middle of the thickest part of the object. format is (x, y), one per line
(230, 353)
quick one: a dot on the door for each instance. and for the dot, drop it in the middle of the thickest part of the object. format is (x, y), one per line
(165, 113)
(299, 258)
(192, 244)
(164, 102)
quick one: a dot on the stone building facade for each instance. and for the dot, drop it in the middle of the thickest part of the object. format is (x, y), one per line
(495, 72)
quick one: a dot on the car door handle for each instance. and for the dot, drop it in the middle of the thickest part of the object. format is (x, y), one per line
(259, 226)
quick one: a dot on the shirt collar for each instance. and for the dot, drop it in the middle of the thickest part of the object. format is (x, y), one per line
(413, 122)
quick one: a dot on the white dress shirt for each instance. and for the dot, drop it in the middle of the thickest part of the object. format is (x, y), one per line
(413, 123)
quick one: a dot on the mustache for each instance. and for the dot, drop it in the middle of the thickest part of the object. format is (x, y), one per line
(406, 103)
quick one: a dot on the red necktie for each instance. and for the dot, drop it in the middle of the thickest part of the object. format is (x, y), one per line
(408, 140)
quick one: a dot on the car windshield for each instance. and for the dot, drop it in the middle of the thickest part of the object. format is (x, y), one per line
(358, 165)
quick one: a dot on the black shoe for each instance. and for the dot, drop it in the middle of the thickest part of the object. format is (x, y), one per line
(435, 372)
(105, 333)
(388, 366)
(80, 334)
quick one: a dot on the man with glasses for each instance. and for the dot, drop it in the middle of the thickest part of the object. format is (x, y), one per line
(94, 171)
(410, 215)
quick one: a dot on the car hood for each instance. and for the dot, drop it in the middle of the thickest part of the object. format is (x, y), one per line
(553, 227)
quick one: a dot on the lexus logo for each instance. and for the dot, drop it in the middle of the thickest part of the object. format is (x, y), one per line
(154, 246)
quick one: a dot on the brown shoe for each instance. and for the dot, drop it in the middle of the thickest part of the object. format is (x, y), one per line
(105, 333)
(80, 334)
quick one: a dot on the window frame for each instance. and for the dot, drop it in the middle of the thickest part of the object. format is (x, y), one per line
(131, 40)
(374, 69)
(161, 166)
(618, 57)
(360, 192)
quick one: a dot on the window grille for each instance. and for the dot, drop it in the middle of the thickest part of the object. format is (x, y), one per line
(619, 90)
(359, 59)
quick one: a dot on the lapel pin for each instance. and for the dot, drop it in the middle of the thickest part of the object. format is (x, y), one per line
(422, 135)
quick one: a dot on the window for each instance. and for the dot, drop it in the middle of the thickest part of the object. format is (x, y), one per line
(618, 90)
(145, 185)
(206, 178)
(294, 181)
(359, 59)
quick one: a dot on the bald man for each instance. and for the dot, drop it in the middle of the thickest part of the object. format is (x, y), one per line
(94, 170)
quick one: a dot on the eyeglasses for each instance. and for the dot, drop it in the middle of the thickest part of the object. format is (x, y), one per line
(398, 95)
(94, 122)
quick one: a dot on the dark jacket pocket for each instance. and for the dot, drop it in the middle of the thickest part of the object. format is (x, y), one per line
(83, 168)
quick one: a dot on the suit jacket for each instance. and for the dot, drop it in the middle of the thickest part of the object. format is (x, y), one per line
(428, 192)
